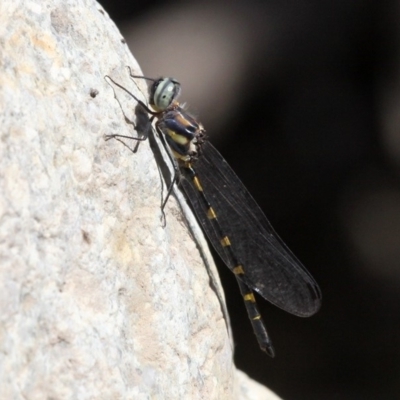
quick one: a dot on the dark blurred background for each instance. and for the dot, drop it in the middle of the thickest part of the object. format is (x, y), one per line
(303, 99)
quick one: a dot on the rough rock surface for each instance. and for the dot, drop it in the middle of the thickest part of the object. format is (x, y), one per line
(98, 299)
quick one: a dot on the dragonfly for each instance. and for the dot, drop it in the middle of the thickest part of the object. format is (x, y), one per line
(230, 217)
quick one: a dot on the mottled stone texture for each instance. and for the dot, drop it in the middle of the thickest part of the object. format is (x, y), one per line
(98, 300)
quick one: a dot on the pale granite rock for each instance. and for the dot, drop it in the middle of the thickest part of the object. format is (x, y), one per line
(98, 299)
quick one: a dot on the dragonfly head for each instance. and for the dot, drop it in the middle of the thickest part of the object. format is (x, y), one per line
(163, 92)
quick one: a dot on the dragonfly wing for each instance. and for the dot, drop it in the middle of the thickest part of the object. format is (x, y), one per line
(271, 269)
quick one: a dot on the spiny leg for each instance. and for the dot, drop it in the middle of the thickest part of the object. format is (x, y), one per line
(174, 162)
(145, 136)
(127, 120)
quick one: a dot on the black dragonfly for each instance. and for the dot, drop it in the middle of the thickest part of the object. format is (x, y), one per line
(234, 223)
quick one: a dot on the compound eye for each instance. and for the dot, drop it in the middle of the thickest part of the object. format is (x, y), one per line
(165, 91)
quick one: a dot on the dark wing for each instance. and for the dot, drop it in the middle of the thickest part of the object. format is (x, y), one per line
(271, 269)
